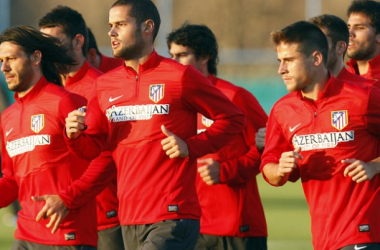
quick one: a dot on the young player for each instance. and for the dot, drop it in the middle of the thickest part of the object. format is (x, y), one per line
(330, 136)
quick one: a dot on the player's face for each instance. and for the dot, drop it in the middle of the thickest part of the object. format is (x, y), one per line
(184, 55)
(16, 66)
(362, 44)
(126, 38)
(58, 33)
(295, 67)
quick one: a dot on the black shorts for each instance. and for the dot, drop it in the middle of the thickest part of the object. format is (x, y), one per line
(110, 239)
(165, 235)
(212, 242)
(27, 245)
(363, 246)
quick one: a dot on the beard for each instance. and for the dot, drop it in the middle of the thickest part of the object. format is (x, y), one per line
(132, 51)
(363, 53)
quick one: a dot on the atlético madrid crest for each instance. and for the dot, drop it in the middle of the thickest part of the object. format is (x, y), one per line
(38, 123)
(156, 92)
(339, 119)
(207, 122)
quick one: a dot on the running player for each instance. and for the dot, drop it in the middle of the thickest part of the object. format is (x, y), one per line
(337, 35)
(322, 129)
(364, 46)
(226, 179)
(35, 158)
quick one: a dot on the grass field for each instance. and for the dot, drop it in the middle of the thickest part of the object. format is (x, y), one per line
(285, 208)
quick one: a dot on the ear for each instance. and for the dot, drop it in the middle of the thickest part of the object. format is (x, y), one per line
(147, 26)
(340, 48)
(78, 41)
(91, 55)
(317, 58)
(377, 38)
(204, 60)
(36, 57)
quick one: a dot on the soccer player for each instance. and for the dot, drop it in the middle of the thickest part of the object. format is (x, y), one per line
(97, 59)
(70, 28)
(337, 35)
(328, 129)
(232, 213)
(35, 158)
(147, 111)
(364, 45)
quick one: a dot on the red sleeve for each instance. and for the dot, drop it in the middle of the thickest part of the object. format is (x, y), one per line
(242, 169)
(275, 145)
(202, 97)
(99, 173)
(373, 111)
(8, 184)
(92, 141)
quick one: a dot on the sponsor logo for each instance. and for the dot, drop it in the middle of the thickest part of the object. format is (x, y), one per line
(364, 228)
(114, 99)
(111, 214)
(292, 129)
(38, 123)
(173, 208)
(8, 132)
(136, 112)
(70, 236)
(26, 144)
(321, 141)
(358, 248)
(207, 122)
(156, 92)
(339, 119)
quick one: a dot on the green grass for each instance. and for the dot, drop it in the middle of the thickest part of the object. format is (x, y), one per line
(7, 228)
(287, 216)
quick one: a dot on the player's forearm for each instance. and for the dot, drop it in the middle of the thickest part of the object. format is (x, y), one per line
(273, 176)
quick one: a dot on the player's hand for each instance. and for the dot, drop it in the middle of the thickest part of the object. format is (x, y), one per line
(54, 208)
(173, 145)
(289, 161)
(209, 171)
(75, 123)
(260, 138)
(359, 171)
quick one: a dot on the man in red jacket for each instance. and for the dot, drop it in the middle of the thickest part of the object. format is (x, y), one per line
(145, 113)
(35, 158)
(232, 213)
(364, 46)
(70, 28)
(321, 129)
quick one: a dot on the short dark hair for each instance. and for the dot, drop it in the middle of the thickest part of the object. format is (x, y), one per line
(142, 10)
(334, 27)
(92, 42)
(54, 57)
(369, 8)
(308, 36)
(71, 21)
(200, 39)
